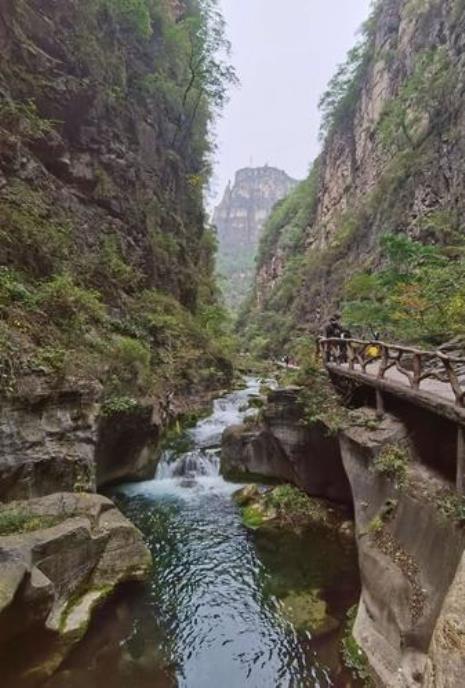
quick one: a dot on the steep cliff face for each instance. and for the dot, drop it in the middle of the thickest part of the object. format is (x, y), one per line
(106, 262)
(106, 288)
(392, 161)
(239, 220)
(410, 540)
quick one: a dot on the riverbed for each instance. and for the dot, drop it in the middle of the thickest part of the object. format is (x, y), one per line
(214, 612)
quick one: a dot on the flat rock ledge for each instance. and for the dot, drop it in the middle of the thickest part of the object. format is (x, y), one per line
(60, 556)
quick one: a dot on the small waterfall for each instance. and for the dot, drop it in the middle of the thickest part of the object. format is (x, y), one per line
(194, 464)
(202, 460)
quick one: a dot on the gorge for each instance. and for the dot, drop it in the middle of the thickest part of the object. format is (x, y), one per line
(176, 508)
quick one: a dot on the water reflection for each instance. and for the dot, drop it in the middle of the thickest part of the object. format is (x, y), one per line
(212, 615)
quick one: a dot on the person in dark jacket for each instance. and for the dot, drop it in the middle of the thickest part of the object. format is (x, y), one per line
(332, 329)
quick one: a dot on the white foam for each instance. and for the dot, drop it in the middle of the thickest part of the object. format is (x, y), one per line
(195, 473)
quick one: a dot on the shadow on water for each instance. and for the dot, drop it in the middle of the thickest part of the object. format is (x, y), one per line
(215, 611)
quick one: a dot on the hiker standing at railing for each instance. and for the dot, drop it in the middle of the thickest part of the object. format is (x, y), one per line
(332, 329)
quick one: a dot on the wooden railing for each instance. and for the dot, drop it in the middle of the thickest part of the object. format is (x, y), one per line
(416, 365)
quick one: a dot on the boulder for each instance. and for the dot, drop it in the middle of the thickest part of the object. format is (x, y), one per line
(286, 448)
(69, 552)
(247, 452)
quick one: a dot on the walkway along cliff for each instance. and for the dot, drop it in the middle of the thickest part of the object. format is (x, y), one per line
(396, 466)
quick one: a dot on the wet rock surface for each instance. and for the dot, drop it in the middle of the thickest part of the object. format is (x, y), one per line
(69, 552)
(284, 447)
(408, 555)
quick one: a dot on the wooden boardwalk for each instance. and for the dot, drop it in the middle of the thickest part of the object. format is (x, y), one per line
(429, 379)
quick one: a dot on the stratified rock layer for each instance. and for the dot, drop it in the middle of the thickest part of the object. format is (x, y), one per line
(74, 549)
(239, 219)
(285, 447)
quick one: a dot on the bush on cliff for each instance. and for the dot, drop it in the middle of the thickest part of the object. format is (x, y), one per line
(418, 296)
(108, 267)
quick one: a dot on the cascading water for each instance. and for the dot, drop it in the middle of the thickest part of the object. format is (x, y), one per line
(212, 614)
(202, 459)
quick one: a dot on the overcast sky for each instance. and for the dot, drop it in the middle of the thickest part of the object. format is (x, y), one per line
(285, 52)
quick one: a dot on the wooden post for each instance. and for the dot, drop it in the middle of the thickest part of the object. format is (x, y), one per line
(460, 460)
(416, 371)
(379, 404)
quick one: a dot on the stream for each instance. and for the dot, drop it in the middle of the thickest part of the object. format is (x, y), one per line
(212, 614)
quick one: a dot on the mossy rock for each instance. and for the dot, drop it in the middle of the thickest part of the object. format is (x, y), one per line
(308, 612)
(246, 495)
(256, 515)
(287, 507)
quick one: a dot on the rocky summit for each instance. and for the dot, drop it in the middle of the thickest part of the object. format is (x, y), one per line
(239, 220)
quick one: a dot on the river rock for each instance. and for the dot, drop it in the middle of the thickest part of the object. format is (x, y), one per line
(284, 447)
(71, 552)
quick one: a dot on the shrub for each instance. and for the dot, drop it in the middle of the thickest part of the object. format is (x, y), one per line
(51, 357)
(23, 119)
(30, 240)
(115, 405)
(64, 302)
(392, 461)
(354, 657)
(452, 507)
(111, 269)
(12, 288)
(319, 400)
(133, 14)
(130, 362)
(15, 522)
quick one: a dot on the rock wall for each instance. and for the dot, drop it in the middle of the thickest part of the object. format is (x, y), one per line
(409, 555)
(239, 220)
(284, 447)
(392, 160)
(410, 616)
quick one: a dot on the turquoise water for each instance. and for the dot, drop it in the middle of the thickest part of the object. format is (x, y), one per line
(213, 613)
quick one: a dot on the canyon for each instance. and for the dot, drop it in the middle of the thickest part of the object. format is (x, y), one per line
(114, 341)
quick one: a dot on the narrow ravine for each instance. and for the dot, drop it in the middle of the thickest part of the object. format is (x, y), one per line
(211, 614)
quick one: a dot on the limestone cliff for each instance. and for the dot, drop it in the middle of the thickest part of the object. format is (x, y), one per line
(239, 220)
(106, 288)
(106, 277)
(393, 160)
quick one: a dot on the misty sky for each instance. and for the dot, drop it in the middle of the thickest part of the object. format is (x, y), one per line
(285, 52)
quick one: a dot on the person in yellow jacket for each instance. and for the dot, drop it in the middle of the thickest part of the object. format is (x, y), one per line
(373, 350)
